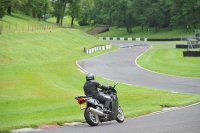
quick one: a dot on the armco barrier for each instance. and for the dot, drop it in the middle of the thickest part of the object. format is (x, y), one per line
(123, 38)
(98, 48)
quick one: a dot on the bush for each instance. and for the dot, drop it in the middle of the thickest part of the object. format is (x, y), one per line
(83, 22)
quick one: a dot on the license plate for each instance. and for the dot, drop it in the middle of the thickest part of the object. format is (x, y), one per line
(83, 106)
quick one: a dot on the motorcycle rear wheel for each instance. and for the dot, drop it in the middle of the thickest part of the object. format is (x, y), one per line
(120, 116)
(91, 119)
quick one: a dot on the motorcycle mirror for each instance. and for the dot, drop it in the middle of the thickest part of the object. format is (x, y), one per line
(115, 84)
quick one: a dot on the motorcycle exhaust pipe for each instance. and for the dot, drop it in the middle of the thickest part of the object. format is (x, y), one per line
(95, 111)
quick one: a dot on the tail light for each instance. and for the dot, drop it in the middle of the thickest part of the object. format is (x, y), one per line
(81, 100)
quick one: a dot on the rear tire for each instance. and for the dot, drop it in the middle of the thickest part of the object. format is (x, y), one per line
(91, 119)
(120, 116)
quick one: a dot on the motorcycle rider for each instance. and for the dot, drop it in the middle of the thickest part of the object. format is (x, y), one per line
(91, 89)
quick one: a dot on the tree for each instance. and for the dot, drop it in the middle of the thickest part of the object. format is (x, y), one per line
(2, 8)
(59, 9)
(123, 15)
(151, 14)
(16, 4)
(191, 12)
(185, 12)
(157, 13)
(176, 12)
(165, 18)
(96, 12)
(87, 12)
(138, 9)
(57, 13)
(74, 10)
(114, 12)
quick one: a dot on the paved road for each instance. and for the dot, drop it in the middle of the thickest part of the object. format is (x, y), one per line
(185, 120)
(120, 66)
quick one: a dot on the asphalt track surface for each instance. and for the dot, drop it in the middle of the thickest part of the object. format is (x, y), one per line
(120, 66)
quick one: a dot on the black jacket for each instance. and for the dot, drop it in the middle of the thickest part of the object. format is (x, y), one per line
(90, 87)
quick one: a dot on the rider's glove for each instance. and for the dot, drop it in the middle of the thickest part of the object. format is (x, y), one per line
(111, 88)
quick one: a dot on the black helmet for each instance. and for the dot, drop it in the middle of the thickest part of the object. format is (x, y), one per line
(89, 76)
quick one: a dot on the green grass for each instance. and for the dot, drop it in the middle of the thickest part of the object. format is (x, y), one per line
(165, 58)
(142, 101)
(18, 18)
(39, 79)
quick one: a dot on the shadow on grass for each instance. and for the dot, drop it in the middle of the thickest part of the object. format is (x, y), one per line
(15, 16)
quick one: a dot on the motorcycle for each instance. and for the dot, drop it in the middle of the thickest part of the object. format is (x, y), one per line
(94, 109)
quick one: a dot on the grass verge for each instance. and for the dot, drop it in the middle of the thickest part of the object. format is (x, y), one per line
(165, 58)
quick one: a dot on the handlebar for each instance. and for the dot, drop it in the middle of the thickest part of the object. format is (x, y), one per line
(108, 91)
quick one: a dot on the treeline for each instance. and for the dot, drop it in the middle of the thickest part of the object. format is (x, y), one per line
(157, 13)
(43, 9)
(121, 13)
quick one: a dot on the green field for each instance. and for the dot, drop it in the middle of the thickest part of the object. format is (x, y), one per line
(39, 79)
